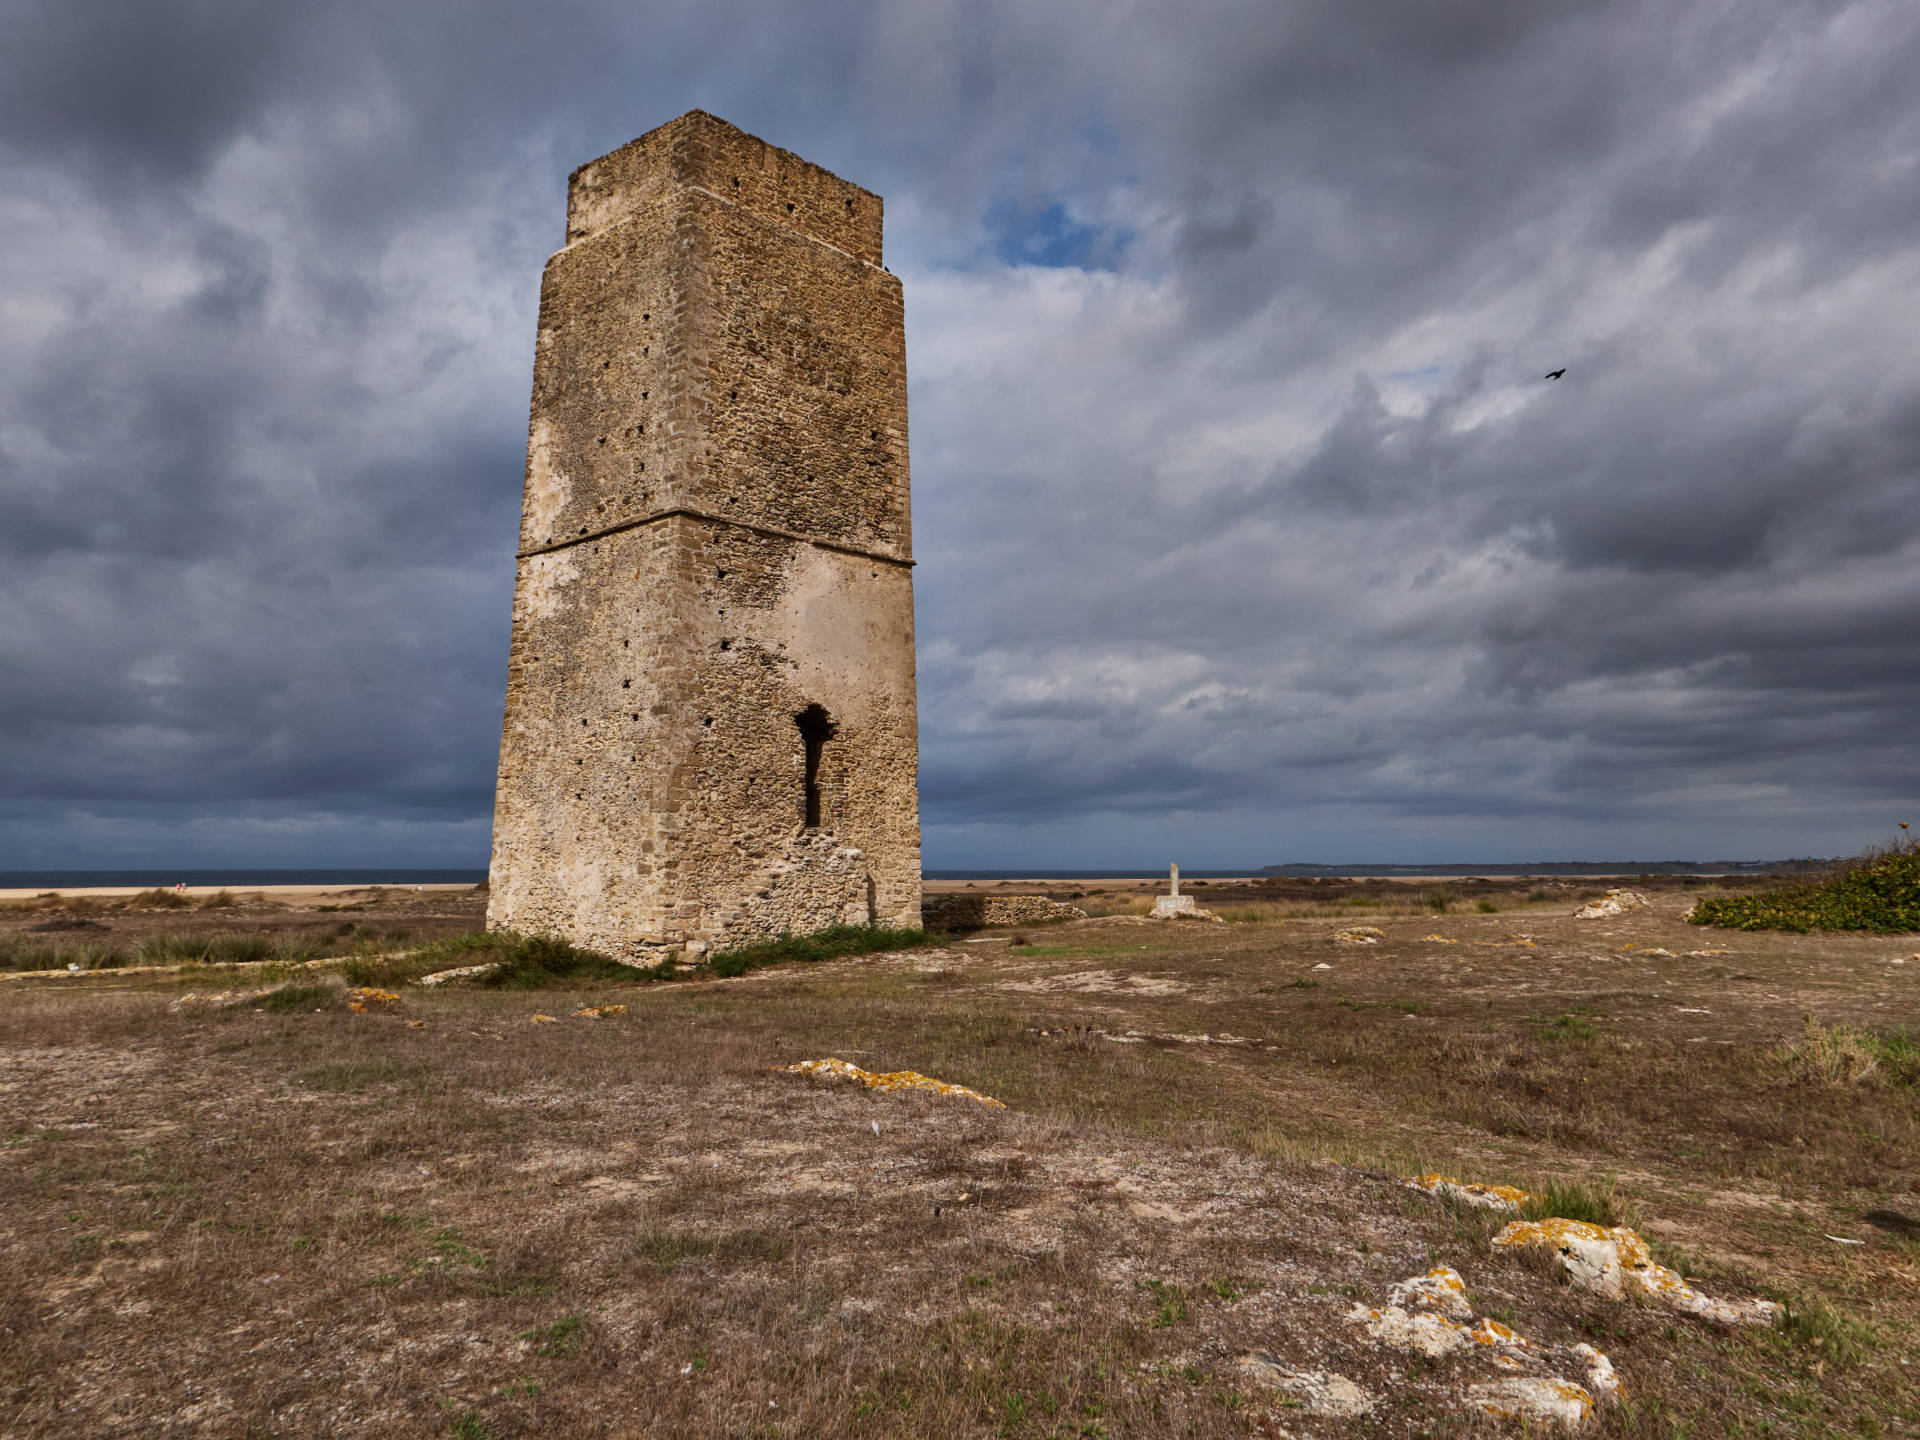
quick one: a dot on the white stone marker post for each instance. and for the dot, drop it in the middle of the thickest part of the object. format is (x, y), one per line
(1167, 906)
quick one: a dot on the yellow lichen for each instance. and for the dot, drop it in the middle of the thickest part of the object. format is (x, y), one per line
(600, 1012)
(542, 1020)
(1487, 1197)
(1615, 1262)
(366, 998)
(891, 1082)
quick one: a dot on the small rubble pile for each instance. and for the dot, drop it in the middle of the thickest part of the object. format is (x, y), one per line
(1427, 1315)
(1612, 1261)
(1614, 902)
(976, 912)
(1359, 935)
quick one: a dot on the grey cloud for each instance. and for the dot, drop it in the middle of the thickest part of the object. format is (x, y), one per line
(1271, 537)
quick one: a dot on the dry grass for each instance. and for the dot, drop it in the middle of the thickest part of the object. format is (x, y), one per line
(285, 1216)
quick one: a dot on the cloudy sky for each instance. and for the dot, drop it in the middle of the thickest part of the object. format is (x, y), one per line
(1248, 529)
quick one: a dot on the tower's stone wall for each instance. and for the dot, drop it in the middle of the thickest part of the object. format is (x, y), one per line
(716, 539)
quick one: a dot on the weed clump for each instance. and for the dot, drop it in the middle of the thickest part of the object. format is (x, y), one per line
(1850, 1055)
(216, 948)
(820, 945)
(1878, 892)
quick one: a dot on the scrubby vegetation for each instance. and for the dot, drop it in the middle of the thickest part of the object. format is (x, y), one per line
(821, 945)
(1879, 892)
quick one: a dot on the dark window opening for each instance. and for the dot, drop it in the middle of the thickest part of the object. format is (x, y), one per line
(816, 728)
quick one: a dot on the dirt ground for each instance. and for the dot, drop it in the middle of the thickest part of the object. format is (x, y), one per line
(445, 1216)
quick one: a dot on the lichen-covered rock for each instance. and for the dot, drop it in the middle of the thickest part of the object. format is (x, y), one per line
(1533, 1397)
(976, 912)
(1359, 935)
(1441, 1289)
(1533, 1382)
(1614, 1261)
(891, 1082)
(1485, 1197)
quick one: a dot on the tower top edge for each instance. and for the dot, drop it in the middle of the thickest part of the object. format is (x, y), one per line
(699, 149)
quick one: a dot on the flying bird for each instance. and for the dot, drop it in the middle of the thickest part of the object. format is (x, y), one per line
(1556, 374)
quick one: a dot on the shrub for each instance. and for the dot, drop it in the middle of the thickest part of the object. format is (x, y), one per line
(820, 945)
(1880, 891)
(158, 899)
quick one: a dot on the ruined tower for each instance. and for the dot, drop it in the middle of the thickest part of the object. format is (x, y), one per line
(710, 733)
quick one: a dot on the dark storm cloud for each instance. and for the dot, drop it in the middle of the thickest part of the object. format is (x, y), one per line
(1246, 520)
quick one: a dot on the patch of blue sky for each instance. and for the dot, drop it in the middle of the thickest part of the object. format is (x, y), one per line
(1050, 237)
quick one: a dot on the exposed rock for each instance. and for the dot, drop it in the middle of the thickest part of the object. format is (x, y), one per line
(1420, 1332)
(1096, 982)
(1441, 1288)
(1615, 1262)
(1320, 1392)
(1614, 902)
(219, 1000)
(1533, 1397)
(464, 972)
(1359, 935)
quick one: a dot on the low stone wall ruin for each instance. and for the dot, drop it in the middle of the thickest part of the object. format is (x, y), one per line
(976, 912)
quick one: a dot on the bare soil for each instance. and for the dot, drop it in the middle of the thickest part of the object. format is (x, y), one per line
(447, 1217)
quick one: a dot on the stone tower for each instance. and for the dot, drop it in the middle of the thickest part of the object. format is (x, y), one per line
(710, 733)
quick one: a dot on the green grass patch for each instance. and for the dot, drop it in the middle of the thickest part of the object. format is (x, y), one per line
(1172, 1307)
(1879, 892)
(1577, 1200)
(820, 945)
(560, 1338)
(1836, 1336)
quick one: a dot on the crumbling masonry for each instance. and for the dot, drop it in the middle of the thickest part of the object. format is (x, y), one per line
(710, 732)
